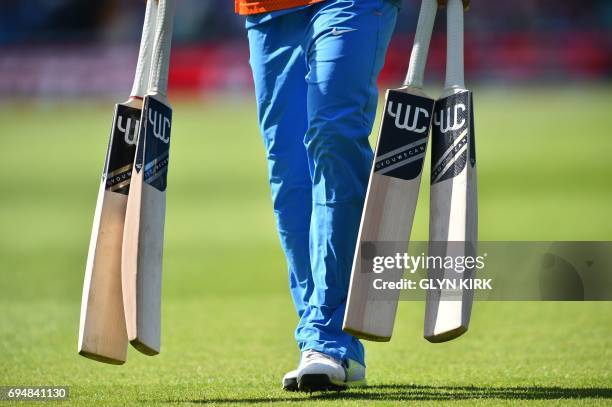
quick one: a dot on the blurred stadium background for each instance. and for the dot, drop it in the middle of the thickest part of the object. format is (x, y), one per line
(541, 72)
(67, 48)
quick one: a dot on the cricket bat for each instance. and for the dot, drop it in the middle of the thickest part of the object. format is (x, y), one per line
(143, 234)
(453, 224)
(102, 332)
(393, 189)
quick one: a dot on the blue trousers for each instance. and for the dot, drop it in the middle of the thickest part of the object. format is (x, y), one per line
(315, 71)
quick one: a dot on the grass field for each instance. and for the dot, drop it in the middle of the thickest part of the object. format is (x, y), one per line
(544, 174)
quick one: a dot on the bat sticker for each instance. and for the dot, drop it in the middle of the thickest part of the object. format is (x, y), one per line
(121, 149)
(403, 136)
(452, 136)
(154, 145)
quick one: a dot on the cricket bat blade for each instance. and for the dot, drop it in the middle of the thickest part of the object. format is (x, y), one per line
(453, 214)
(143, 237)
(102, 332)
(388, 211)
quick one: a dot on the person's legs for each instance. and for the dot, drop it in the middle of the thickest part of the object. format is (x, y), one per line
(345, 48)
(278, 64)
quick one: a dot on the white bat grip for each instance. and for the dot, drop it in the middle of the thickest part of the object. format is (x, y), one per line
(420, 48)
(158, 82)
(141, 79)
(454, 45)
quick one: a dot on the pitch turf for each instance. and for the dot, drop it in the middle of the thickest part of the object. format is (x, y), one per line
(544, 174)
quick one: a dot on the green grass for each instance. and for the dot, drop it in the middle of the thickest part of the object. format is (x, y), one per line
(544, 174)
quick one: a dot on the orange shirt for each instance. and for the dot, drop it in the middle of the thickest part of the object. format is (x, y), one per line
(262, 6)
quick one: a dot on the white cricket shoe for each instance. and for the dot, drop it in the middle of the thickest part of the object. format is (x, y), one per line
(290, 382)
(319, 372)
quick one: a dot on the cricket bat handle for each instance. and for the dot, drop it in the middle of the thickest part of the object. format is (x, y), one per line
(158, 82)
(420, 48)
(141, 79)
(454, 47)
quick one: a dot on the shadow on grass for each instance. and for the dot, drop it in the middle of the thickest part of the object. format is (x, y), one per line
(411, 392)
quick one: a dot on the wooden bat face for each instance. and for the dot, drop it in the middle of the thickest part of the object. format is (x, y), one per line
(144, 229)
(389, 209)
(102, 332)
(453, 212)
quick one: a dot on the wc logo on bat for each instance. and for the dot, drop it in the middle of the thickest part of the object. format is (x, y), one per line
(402, 117)
(160, 125)
(450, 119)
(129, 130)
